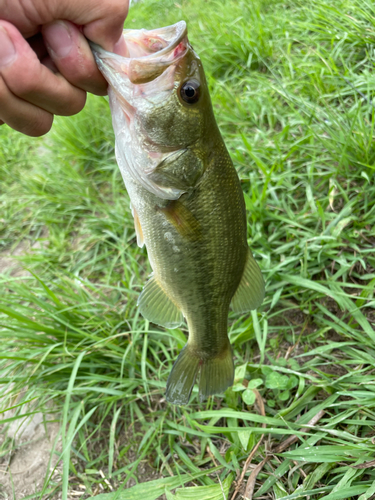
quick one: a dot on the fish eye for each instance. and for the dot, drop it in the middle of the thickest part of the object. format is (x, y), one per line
(190, 91)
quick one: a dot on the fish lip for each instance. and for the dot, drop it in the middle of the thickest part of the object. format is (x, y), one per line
(144, 68)
(179, 28)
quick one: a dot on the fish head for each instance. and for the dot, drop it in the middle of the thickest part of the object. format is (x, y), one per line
(159, 100)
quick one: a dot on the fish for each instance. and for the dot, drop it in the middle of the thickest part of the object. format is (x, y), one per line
(186, 200)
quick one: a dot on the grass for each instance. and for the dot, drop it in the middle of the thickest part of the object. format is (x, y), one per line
(292, 86)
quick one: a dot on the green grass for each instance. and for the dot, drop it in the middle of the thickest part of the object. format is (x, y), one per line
(293, 90)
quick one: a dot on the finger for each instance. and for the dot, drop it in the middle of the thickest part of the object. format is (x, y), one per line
(47, 61)
(36, 42)
(107, 28)
(33, 82)
(21, 115)
(72, 55)
(102, 20)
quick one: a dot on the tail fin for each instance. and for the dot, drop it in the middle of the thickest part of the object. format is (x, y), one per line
(216, 375)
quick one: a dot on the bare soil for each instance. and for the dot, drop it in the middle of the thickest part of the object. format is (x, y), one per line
(9, 264)
(24, 468)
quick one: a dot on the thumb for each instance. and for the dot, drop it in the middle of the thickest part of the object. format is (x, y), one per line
(106, 30)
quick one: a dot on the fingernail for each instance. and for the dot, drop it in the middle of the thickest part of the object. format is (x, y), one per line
(57, 37)
(7, 49)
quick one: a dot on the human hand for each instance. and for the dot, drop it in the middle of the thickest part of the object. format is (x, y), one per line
(46, 64)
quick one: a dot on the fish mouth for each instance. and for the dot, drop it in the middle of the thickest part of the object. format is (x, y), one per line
(148, 53)
(139, 80)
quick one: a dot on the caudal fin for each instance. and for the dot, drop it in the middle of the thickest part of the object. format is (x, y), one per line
(216, 375)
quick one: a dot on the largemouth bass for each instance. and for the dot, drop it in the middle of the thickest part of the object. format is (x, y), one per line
(186, 200)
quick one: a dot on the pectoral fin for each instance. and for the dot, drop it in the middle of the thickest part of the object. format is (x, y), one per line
(250, 292)
(155, 305)
(138, 227)
(182, 219)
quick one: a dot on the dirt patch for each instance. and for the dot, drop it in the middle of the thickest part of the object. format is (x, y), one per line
(31, 441)
(9, 263)
(129, 437)
(24, 468)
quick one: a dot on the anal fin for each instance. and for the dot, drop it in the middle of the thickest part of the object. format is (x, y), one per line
(250, 292)
(155, 305)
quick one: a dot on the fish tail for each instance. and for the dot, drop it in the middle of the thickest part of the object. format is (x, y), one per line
(216, 375)
(181, 380)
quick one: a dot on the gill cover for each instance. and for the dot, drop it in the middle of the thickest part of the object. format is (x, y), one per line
(138, 82)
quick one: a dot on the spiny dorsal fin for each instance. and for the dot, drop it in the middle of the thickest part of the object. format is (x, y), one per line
(250, 292)
(155, 305)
